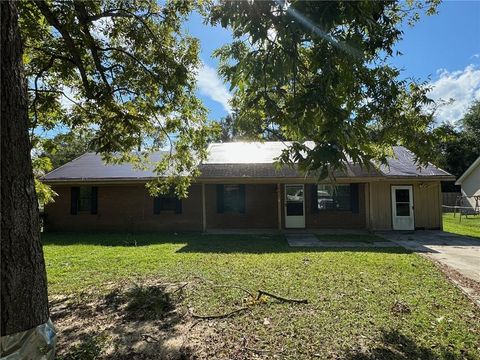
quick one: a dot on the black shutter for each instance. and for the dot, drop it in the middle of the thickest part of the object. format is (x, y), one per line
(241, 207)
(94, 200)
(178, 206)
(157, 204)
(354, 207)
(314, 198)
(219, 199)
(75, 192)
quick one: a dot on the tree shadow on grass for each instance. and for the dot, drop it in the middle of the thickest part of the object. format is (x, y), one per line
(139, 321)
(397, 346)
(200, 243)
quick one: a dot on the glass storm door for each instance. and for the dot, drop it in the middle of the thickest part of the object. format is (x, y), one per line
(294, 206)
(402, 208)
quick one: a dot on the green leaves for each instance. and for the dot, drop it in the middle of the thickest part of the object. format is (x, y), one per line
(123, 70)
(320, 71)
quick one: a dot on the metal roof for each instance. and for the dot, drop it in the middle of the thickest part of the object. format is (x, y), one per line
(403, 164)
(236, 160)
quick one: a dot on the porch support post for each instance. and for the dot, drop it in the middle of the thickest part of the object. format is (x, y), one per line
(370, 208)
(279, 206)
(440, 201)
(366, 190)
(204, 209)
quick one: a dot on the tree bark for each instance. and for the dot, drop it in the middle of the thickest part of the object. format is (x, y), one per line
(24, 300)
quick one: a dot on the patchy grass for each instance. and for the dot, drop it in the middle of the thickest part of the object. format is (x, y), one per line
(362, 303)
(364, 238)
(469, 226)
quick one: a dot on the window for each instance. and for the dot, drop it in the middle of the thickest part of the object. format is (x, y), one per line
(231, 198)
(167, 203)
(83, 199)
(331, 197)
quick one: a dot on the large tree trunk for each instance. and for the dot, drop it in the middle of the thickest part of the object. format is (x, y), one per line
(24, 301)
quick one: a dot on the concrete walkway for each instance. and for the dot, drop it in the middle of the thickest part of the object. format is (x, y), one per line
(310, 240)
(459, 252)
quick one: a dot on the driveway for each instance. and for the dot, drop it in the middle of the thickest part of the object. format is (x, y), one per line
(459, 252)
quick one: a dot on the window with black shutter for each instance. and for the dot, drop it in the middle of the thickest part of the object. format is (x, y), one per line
(231, 198)
(84, 199)
(167, 203)
(333, 198)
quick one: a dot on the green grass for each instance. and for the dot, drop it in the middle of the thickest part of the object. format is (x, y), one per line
(469, 226)
(351, 293)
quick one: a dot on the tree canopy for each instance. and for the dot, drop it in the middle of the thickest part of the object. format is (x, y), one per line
(124, 70)
(459, 146)
(320, 71)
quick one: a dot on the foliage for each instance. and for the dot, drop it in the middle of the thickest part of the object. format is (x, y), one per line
(41, 165)
(320, 71)
(350, 293)
(65, 147)
(458, 147)
(124, 70)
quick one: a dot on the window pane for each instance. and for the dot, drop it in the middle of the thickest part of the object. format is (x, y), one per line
(85, 198)
(333, 198)
(402, 195)
(294, 194)
(231, 198)
(403, 209)
(295, 208)
(167, 204)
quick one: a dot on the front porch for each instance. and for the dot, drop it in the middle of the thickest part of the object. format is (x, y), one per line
(282, 207)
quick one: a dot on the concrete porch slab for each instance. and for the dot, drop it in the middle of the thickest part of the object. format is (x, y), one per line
(302, 240)
(310, 240)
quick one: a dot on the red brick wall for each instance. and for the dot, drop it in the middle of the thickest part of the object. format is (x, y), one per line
(124, 208)
(260, 209)
(130, 208)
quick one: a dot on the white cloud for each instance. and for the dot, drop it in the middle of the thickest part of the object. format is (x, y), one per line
(210, 85)
(463, 86)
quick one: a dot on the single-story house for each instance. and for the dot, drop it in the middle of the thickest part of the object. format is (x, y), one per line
(470, 183)
(241, 188)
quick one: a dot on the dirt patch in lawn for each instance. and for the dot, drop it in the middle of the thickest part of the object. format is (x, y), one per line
(151, 321)
(129, 322)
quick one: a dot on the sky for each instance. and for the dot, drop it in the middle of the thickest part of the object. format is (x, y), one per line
(442, 49)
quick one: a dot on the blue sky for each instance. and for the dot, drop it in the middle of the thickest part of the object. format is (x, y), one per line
(443, 49)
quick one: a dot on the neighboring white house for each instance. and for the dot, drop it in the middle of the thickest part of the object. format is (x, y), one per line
(470, 183)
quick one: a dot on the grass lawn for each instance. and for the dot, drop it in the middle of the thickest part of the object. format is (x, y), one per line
(469, 226)
(362, 303)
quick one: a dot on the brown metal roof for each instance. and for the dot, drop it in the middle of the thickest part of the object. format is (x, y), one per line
(237, 160)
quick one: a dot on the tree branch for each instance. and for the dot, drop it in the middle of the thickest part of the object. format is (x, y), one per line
(91, 43)
(69, 42)
(131, 56)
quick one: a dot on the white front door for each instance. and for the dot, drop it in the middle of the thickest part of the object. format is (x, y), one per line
(294, 206)
(402, 208)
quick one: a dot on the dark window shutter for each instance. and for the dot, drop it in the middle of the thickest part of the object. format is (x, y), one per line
(157, 204)
(354, 198)
(219, 199)
(94, 200)
(314, 198)
(178, 206)
(241, 199)
(75, 192)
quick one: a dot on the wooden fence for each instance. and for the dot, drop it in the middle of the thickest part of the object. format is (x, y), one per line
(449, 198)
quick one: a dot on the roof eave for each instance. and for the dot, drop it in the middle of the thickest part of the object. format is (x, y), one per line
(468, 171)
